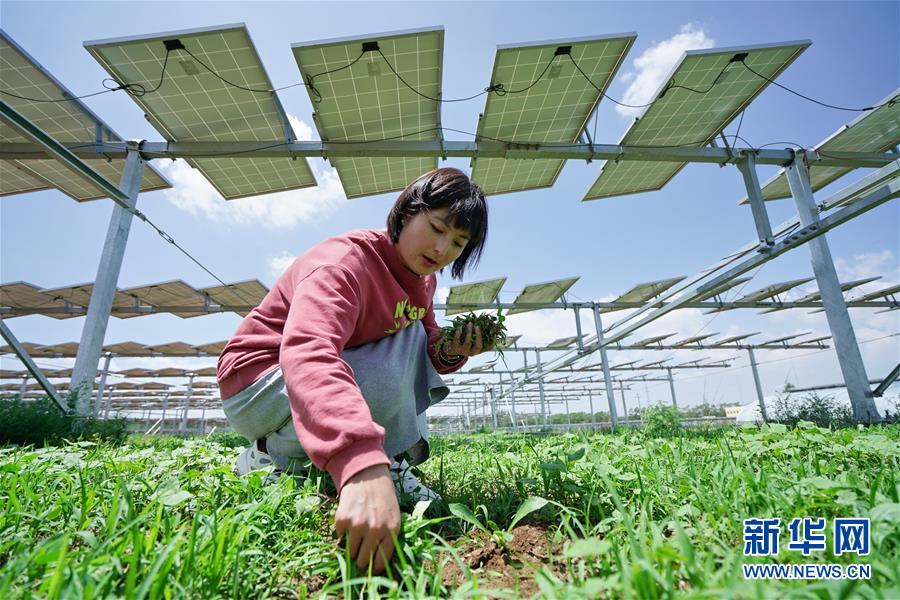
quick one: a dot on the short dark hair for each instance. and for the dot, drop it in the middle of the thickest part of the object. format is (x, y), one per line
(467, 210)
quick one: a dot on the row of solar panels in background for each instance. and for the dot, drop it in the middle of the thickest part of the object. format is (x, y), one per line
(366, 102)
(173, 295)
(179, 298)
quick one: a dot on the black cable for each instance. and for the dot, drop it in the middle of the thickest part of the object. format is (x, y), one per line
(740, 122)
(172, 241)
(890, 102)
(310, 79)
(135, 89)
(602, 93)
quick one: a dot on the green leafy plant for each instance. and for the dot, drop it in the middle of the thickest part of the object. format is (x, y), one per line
(662, 421)
(493, 330)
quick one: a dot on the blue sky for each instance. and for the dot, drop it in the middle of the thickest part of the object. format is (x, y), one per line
(50, 240)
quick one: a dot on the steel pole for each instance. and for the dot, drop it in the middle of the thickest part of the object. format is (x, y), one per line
(672, 387)
(104, 291)
(845, 345)
(759, 392)
(610, 395)
(98, 402)
(541, 386)
(187, 402)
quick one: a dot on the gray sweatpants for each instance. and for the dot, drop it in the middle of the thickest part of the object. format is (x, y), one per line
(396, 378)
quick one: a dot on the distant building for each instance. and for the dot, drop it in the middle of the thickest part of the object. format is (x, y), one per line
(733, 411)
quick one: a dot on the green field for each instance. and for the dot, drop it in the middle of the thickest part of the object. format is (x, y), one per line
(566, 516)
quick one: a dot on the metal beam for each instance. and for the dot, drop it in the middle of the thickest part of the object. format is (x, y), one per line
(45, 145)
(32, 367)
(887, 381)
(842, 334)
(104, 289)
(795, 239)
(604, 360)
(759, 391)
(455, 149)
(747, 167)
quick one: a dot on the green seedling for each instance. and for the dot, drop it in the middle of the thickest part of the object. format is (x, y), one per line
(493, 330)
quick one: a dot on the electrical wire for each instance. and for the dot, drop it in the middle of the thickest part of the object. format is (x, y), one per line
(890, 102)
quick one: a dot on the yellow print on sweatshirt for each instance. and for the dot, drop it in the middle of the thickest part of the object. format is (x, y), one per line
(404, 315)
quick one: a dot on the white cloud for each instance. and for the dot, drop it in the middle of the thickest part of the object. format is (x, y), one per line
(652, 66)
(279, 263)
(281, 210)
(872, 264)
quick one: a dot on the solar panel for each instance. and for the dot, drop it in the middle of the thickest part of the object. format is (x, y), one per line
(889, 291)
(542, 293)
(127, 349)
(652, 340)
(32, 349)
(554, 110)
(782, 339)
(873, 131)
(194, 105)
(562, 343)
(66, 122)
(68, 349)
(679, 117)
(15, 179)
(693, 340)
(817, 295)
(23, 295)
(243, 293)
(173, 349)
(723, 287)
(773, 290)
(645, 291)
(80, 295)
(510, 340)
(469, 294)
(365, 101)
(214, 348)
(733, 339)
(137, 372)
(169, 295)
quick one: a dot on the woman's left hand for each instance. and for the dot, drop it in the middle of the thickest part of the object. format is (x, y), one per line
(468, 345)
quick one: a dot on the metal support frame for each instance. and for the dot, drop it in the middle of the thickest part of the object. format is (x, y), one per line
(747, 167)
(624, 405)
(887, 381)
(842, 334)
(579, 340)
(98, 400)
(541, 387)
(187, 402)
(32, 367)
(672, 387)
(450, 149)
(104, 290)
(759, 391)
(604, 359)
(591, 404)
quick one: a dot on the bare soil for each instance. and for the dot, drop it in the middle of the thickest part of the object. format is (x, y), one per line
(510, 568)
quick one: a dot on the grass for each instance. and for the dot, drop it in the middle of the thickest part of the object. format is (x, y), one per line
(567, 516)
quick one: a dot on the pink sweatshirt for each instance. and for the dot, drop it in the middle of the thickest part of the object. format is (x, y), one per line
(344, 292)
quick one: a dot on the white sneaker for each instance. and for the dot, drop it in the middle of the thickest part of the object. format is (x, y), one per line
(408, 485)
(251, 459)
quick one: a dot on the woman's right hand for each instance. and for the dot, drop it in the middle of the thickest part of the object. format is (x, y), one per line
(369, 515)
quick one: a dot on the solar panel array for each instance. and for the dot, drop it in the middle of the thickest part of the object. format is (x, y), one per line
(874, 131)
(680, 117)
(468, 294)
(194, 105)
(554, 110)
(542, 293)
(357, 98)
(127, 349)
(68, 122)
(176, 297)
